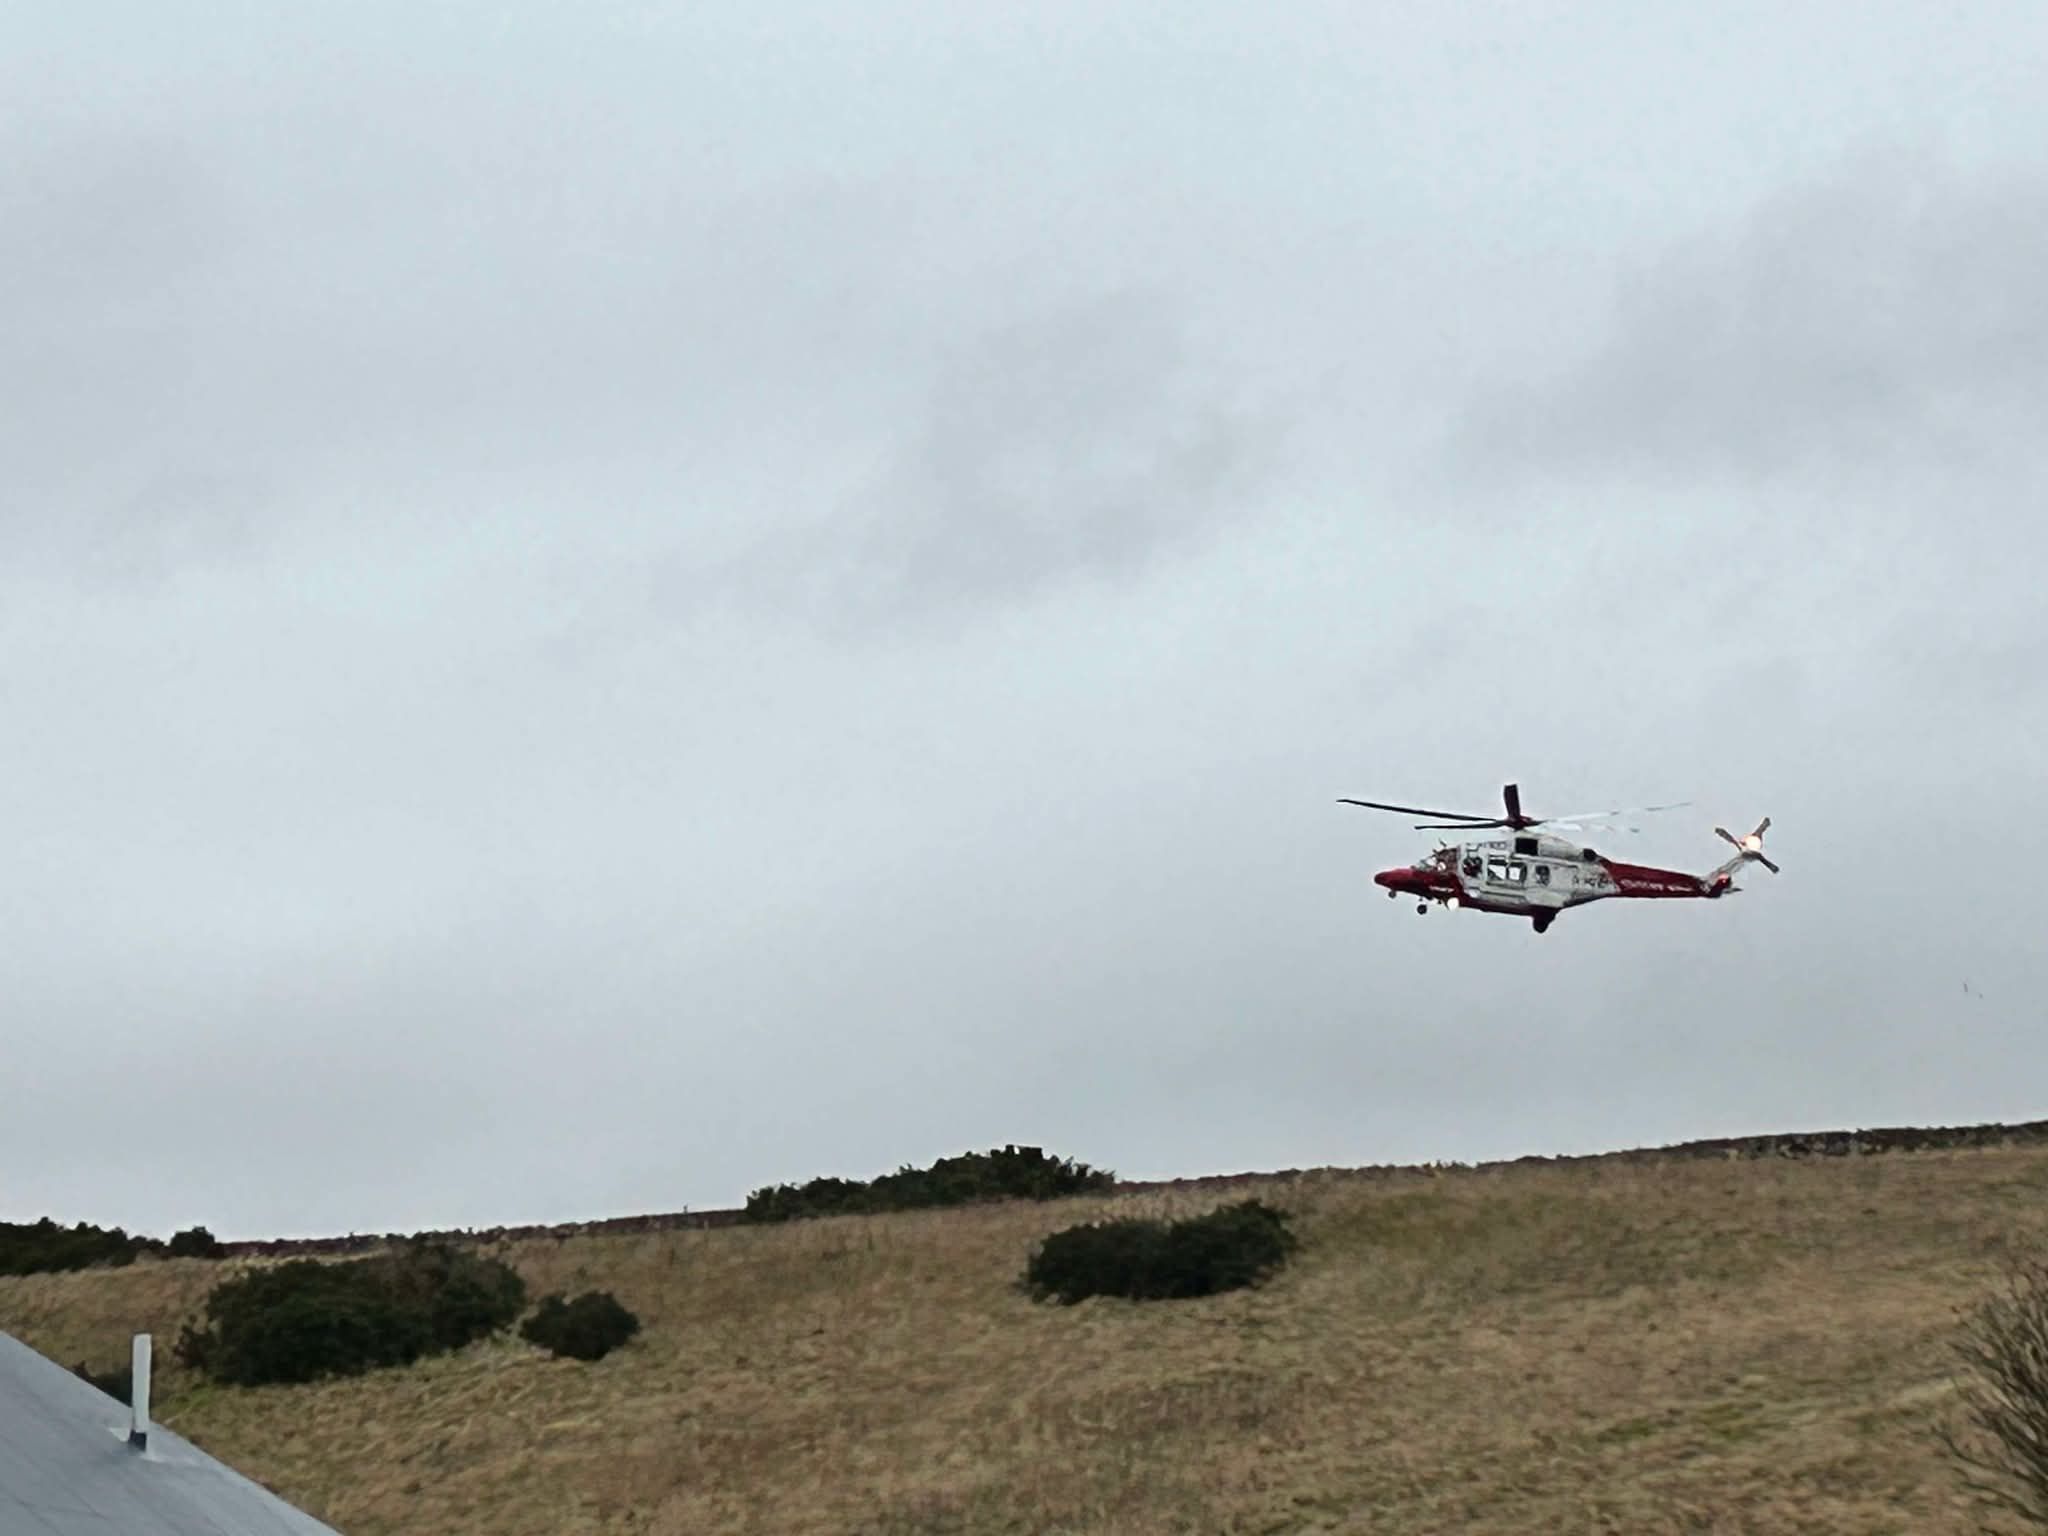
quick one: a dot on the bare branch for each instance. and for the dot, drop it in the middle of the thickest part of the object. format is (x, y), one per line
(1999, 1436)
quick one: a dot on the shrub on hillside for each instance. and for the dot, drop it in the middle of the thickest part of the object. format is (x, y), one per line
(1229, 1248)
(825, 1196)
(587, 1328)
(117, 1384)
(458, 1294)
(195, 1243)
(307, 1319)
(1005, 1173)
(1999, 1436)
(39, 1247)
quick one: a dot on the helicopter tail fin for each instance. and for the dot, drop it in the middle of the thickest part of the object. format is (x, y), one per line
(1749, 849)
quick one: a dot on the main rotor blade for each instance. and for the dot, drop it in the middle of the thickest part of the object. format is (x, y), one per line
(1459, 826)
(1627, 810)
(1472, 817)
(1511, 795)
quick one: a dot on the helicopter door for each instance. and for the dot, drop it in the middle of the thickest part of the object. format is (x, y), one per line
(1507, 876)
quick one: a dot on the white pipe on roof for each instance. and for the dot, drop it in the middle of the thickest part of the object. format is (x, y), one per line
(138, 1394)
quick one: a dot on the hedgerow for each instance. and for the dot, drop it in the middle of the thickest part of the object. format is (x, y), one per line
(195, 1243)
(1006, 1173)
(43, 1247)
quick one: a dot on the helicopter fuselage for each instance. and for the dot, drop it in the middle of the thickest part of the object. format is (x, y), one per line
(1537, 876)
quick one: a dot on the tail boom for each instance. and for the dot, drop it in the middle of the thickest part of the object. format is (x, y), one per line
(1641, 880)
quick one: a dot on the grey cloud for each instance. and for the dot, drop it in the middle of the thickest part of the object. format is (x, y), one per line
(96, 222)
(107, 243)
(1959, 661)
(777, 596)
(1081, 443)
(1894, 300)
(175, 521)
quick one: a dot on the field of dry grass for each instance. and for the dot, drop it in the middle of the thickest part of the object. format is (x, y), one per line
(1684, 1346)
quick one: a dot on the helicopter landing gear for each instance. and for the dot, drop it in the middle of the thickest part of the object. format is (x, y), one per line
(1541, 920)
(1422, 908)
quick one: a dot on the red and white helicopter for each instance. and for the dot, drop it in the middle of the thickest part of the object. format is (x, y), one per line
(1535, 873)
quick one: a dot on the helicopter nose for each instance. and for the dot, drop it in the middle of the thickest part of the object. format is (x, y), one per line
(1392, 879)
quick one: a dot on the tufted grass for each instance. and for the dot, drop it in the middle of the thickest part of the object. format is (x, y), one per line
(1681, 1346)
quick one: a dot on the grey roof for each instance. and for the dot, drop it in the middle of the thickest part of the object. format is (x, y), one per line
(66, 1468)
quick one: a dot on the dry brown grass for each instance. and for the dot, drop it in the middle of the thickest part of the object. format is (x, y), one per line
(1672, 1347)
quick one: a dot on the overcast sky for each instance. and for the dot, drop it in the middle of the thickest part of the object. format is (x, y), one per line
(603, 605)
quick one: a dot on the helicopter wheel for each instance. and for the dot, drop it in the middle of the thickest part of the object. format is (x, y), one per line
(1422, 907)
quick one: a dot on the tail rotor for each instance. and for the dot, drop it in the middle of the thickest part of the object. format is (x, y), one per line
(1748, 849)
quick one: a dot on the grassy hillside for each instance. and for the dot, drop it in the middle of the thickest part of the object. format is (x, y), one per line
(1663, 1346)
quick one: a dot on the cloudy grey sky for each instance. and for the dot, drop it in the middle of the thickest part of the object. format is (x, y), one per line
(604, 605)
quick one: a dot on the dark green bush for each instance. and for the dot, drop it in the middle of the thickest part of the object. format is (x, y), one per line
(39, 1247)
(195, 1243)
(307, 1319)
(117, 1384)
(820, 1197)
(301, 1321)
(587, 1328)
(460, 1295)
(1231, 1247)
(1006, 1173)
(30, 1248)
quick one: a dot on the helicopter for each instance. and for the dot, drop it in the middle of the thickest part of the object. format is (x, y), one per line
(1536, 873)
